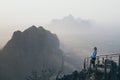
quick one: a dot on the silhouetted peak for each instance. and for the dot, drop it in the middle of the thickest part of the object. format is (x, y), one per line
(33, 49)
(36, 36)
(32, 28)
(17, 34)
(41, 28)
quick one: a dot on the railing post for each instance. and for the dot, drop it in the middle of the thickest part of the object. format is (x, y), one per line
(90, 64)
(105, 74)
(119, 60)
(84, 63)
(98, 62)
(119, 68)
(103, 60)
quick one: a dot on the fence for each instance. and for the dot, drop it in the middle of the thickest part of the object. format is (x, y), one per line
(101, 60)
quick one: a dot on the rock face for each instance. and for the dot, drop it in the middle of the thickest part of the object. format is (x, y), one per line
(33, 49)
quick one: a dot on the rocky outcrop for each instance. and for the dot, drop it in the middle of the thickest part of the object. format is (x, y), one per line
(33, 49)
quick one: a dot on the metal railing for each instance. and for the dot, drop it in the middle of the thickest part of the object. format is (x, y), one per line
(100, 60)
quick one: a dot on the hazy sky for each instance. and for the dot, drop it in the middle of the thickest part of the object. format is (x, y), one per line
(20, 14)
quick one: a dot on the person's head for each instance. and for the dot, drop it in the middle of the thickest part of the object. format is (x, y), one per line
(95, 48)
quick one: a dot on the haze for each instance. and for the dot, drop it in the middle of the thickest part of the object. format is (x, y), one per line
(20, 14)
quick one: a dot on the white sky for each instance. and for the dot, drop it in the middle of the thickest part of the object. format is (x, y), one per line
(20, 14)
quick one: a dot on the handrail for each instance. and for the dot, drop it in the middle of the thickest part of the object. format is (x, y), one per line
(106, 55)
(101, 59)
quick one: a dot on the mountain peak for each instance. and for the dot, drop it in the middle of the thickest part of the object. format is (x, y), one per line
(33, 49)
(17, 34)
(33, 37)
(32, 28)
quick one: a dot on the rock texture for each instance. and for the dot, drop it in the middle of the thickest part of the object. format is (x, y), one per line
(33, 49)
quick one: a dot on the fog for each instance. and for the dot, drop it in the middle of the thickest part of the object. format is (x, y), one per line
(54, 36)
(79, 24)
(79, 36)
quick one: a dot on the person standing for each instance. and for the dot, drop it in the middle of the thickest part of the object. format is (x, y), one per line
(93, 57)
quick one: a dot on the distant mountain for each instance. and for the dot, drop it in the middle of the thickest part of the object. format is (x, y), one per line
(70, 24)
(70, 20)
(33, 49)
